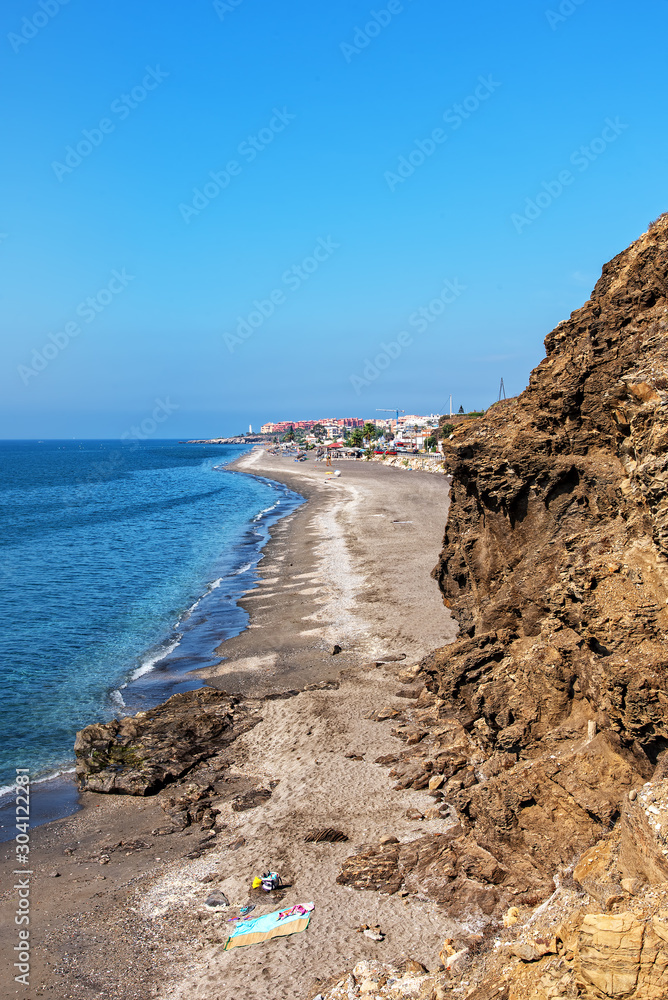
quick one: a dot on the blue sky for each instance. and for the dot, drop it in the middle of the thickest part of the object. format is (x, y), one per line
(309, 117)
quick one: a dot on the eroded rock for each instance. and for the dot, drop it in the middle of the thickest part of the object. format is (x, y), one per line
(140, 754)
(622, 956)
(549, 712)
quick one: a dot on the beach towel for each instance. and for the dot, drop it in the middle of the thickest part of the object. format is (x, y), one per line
(280, 923)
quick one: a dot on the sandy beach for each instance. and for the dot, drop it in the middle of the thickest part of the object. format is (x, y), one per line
(119, 910)
(350, 568)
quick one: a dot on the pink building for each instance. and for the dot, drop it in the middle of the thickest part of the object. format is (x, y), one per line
(330, 423)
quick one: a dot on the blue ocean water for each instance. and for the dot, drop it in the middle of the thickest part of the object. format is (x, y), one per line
(120, 567)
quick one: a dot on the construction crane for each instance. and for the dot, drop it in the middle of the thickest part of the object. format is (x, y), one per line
(395, 409)
(502, 391)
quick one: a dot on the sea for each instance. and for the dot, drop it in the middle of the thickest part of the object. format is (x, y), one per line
(121, 565)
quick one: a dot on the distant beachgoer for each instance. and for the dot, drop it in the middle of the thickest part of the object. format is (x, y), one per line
(329, 457)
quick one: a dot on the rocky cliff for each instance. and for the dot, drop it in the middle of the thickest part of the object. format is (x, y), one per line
(537, 729)
(555, 566)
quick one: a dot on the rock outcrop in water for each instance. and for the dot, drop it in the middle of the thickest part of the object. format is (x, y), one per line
(142, 753)
(543, 732)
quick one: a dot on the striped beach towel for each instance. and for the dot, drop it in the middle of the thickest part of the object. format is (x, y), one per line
(280, 923)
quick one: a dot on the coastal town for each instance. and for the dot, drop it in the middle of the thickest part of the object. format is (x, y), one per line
(401, 432)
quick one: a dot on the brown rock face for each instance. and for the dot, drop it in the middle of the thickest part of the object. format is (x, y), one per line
(555, 551)
(622, 956)
(516, 822)
(555, 565)
(643, 835)
(551, 708)
(140, 754)
(450, 868)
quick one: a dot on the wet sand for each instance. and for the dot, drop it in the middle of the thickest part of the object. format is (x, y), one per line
(352, 568)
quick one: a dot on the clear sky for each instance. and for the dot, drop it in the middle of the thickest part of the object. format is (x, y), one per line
(371, 162)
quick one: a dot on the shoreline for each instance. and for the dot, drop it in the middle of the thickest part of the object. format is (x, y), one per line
(347, 512)
(159, 674)
(338, 569)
